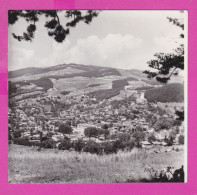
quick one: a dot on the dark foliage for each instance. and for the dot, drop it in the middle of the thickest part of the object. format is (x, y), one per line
(45, 83)
(92, 147)
(163, 123)
(65, 145)
(94, 132)
(53, 23)
(65, 129)
(78, 145)
(65, 92)
(22, 141)
(104, 93)
(181, 139)
(48, 143)
(16, 134)
(151, 138)
(180, 115)
(173, 92)
(12, 88)
(117, 86)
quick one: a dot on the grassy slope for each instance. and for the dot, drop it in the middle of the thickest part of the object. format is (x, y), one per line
(26, 165)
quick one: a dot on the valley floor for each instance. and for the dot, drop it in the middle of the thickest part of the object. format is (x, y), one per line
(27, 165)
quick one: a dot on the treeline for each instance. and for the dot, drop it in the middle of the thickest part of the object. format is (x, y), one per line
(117, 86)
(45, 83)
(65, 92)
(173, 92)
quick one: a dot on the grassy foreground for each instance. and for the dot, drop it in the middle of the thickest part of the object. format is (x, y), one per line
(27, 165)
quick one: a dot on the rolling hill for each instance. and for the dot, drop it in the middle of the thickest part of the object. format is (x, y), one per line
(95, 81)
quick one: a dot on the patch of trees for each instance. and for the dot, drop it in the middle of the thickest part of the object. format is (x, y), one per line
(45, 83)
(16, 134)
(122, 82)
(117, 86)
(11, 88)
(104, 94)
(144, 88)
(65, 92)
(163, 123)
(22, 141)
(94, 132)
(65, 129)
(151, 138)
(173, 92)
(181, 139)
(93, 85)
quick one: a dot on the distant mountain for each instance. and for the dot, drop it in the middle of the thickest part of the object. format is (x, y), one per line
(105, 82)
(34, 70)
(173, 92)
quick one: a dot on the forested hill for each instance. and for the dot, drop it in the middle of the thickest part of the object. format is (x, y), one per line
(173, 92)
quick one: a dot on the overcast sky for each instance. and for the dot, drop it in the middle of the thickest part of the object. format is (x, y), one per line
(120, 39)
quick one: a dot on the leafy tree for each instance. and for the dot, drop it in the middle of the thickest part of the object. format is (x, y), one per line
(92, 147)
(49, 143)
(181, 139)
(163, 123)
(151, 138)
(105, 126)
(65, 129)
(167, 64)
(12, 88)
(22, 141)
(65, 145)
(91, 132)
(17, 134)
(180, 115)
(108, 147)
(78, 145)
(68, 123)
(55, 28)
(138, 137)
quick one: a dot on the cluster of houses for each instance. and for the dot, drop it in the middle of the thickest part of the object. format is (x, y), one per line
(82, 112)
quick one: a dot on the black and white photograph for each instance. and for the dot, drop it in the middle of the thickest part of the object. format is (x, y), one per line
(97, 96)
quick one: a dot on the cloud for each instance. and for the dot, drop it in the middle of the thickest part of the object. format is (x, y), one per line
(19, 57)
(114, 50)
(169, 41)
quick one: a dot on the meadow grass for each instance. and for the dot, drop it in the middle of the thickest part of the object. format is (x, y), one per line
(27, 165)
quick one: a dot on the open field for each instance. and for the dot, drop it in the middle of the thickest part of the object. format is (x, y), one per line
(27, 165)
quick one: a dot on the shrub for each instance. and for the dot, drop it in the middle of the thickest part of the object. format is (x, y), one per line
(129, 144)
(151, 138)
(65, 145)
(92, 147)
(108, 147)
(65, 92)
(17, 134)
(91, 132)
(22, 141)
(163, 123)
(65, 129)
(78, 145)
(49, 143)
(181, 139)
